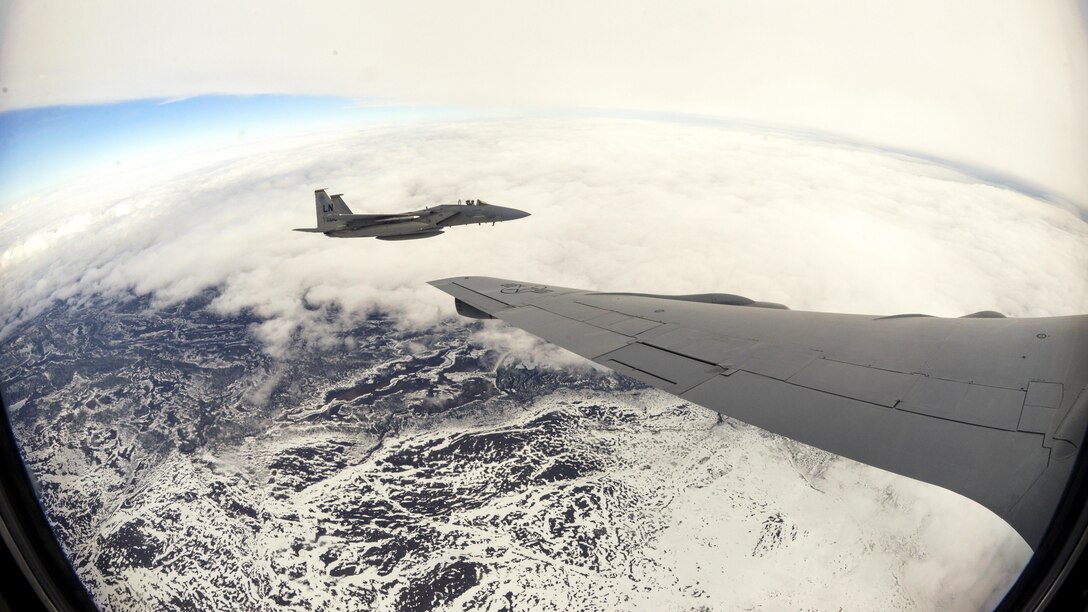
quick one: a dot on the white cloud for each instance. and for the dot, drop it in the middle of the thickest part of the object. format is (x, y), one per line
(616, 204)
(522, 346)
(1002, 85)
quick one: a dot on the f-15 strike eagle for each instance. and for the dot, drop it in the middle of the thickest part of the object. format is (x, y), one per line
(335, 219)
(990, 407)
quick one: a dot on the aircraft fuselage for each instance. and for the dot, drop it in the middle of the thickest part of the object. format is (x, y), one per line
(336, 220)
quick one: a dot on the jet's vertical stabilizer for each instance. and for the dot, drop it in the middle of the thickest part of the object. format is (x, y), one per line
(326, 209)
(338, 205)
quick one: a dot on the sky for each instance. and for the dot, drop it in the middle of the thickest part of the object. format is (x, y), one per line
(42, 147)
(998, 85)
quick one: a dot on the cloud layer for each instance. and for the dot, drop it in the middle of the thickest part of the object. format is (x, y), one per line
(617, 205)
(1001, 85)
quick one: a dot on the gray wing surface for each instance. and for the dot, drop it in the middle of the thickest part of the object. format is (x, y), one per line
(992, 408)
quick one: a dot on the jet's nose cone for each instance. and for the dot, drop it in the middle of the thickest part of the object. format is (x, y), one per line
(509, 214)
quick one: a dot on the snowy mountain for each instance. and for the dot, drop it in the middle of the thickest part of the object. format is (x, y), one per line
(183, 468)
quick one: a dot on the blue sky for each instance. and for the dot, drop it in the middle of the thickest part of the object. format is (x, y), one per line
(42, 147)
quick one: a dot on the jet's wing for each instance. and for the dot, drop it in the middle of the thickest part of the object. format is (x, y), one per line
(992, 408)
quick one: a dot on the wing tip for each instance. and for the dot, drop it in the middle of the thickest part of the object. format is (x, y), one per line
(442, 282)
(460, 279)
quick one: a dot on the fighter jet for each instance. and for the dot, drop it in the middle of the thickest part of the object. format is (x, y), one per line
(990, 407)
(336, 220)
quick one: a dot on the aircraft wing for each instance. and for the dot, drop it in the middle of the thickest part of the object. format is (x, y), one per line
(990, 407)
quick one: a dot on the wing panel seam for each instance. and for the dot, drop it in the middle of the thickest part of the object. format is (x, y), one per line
(882, 407)
(678, 354)
(640, 370)
(883, 369)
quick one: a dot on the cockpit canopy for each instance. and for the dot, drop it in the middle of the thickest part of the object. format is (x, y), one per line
(476, 202)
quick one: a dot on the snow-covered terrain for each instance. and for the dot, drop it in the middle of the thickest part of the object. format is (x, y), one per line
(422, 470)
